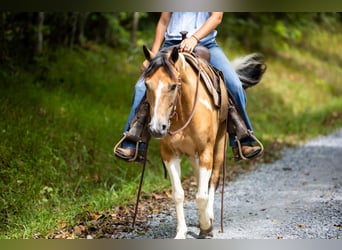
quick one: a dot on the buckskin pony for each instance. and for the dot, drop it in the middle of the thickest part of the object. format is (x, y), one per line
(184, 116)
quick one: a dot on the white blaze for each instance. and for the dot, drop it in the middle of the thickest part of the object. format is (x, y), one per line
(154, 121)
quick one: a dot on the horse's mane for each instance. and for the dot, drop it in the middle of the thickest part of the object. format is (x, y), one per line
(160, 60)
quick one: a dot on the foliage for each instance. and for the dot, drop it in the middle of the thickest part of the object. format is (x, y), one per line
(249, 30)
(19, 32)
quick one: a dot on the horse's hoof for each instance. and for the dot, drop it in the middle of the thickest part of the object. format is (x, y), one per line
(206, 232)
(181, 233)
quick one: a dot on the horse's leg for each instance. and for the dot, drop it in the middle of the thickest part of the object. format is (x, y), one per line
(204, 169)
(173, 168)
(215, 176)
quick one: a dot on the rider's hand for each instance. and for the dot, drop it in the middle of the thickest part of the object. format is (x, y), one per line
(188, 44)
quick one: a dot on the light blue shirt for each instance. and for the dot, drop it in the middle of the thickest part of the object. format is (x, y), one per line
(190, 22)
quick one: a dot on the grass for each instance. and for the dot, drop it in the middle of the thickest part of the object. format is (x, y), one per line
(58, 129)
(61, 118)
(301, 91)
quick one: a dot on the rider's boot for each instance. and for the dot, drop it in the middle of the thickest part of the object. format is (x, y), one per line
(138, 134)
(238, 127)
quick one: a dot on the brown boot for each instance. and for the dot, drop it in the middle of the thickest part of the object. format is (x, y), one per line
(248, 151)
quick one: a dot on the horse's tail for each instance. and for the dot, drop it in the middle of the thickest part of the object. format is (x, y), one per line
(250, 69)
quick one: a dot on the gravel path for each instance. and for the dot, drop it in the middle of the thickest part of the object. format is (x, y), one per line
(297, 197)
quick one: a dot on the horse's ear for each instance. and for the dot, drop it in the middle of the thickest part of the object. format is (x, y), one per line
(174, 55)
(148, 53)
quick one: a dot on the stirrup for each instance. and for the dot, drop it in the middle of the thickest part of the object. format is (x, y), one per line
(240, 147)
(141, 158)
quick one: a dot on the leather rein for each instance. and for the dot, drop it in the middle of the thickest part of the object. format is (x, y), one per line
(193, 107)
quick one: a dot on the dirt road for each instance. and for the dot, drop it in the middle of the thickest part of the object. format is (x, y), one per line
(297, 197)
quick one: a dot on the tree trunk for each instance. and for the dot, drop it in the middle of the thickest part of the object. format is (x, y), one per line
(3, 49)
(82, 22)
(39, 49)
(134, 29)
(74, 20)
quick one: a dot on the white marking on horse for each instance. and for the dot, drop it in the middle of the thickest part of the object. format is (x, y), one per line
(206, 104)
(154, 121)
(202, 196)
(173, 167)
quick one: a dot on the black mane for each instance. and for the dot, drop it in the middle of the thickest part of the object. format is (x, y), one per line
(160, 60)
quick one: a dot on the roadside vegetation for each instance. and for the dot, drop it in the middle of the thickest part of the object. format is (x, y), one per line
(62, 112)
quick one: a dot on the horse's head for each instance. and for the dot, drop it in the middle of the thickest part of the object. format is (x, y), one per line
(162, 83)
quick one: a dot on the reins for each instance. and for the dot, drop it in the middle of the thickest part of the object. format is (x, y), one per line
(193, 107)
(224, 169)
(139, 189)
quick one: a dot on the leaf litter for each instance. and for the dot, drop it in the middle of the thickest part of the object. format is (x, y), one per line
(117, 221)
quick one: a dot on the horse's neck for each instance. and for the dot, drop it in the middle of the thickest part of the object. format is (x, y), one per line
(186, 95)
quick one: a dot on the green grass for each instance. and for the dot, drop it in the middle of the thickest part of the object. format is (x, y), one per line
(57, 130)
(61, 118)
(300, 95)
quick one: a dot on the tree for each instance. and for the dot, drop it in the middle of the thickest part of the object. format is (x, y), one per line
(40, 33)
(135, 23)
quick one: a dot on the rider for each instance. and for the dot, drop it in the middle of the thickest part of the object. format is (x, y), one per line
(201, 28)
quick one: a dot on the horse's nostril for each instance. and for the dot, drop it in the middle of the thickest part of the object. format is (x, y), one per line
(164, 127)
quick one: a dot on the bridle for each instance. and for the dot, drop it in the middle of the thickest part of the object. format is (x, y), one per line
(179, 84)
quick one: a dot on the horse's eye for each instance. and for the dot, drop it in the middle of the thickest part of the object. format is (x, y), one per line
(173, 87)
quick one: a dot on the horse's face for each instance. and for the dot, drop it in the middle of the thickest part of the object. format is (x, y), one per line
(161, 94)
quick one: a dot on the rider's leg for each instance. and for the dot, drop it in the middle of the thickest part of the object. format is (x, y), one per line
(233, 83)
(127, 148)
(138, 96)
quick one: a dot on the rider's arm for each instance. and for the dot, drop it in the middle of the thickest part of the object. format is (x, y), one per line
(159, 35)
(212, 22)
(160, 31)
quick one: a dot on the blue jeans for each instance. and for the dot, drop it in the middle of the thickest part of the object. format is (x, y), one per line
(233, 83)
(219, 60)
(138, 96)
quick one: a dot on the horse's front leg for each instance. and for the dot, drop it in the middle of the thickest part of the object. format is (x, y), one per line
(204, 196)
(173, 168)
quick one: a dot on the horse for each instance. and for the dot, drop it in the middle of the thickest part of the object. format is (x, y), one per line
(183, 116)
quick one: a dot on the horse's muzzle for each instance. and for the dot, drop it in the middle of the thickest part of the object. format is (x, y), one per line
(158, 131)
